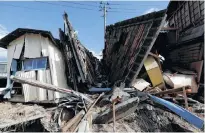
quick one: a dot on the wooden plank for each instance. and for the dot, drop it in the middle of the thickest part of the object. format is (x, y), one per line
(48, 86)
(171, 91)
(89, 110)
(75, 119)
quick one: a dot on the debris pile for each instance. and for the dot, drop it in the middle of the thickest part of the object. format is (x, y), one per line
(15, 117)
(139, 86)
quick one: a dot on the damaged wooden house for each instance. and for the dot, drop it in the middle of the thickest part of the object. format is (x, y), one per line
(181, 43)
(128, 44)
(37, 55)
(163, 50)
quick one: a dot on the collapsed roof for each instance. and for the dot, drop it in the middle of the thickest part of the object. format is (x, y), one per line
(128, 43)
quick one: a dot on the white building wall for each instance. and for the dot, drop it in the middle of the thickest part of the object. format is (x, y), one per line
(36, 44)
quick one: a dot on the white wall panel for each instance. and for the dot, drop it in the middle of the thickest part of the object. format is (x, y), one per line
(42, 93)
(30, 92)
(48, 80)
(57, 69)
(32, 46)
(19, 45)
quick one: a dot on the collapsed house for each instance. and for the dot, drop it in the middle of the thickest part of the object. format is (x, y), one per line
(181, 43)
(82, 66)
(128, 44)
(37, 55)
(151, 63)
(158, 44)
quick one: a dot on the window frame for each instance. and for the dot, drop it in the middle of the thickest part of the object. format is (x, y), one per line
(33, 59)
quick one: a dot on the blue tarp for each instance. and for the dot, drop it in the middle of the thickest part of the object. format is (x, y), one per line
(99, 89)
(188, 116)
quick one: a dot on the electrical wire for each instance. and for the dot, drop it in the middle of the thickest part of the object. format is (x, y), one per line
(57, 4)
(121, 11)
(76, 3)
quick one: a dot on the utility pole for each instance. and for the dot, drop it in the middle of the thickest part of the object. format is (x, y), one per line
(103, 7)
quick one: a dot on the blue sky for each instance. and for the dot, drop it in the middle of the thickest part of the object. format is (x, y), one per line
(88, 23)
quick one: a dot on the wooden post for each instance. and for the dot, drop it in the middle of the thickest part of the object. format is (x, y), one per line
(185, 98)
(48, 87)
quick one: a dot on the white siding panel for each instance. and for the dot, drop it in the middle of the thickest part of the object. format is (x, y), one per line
(30, 92)
(48, 80)
(42, 93)
(56, 64)
(45, 44)
(10, 54)
(32, 46)
(57, 69)
(19, 45)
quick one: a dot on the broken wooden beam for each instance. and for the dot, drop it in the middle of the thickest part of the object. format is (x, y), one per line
(75, 119)
(49, 87)
(171, 91)
(121, 110)
(90, 108)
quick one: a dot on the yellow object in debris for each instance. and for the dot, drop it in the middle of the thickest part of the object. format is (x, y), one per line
(153, 71)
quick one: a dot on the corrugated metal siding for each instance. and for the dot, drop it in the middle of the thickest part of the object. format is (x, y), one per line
(30, 92)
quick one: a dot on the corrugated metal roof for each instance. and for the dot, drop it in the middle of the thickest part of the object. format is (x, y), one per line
(128, 43)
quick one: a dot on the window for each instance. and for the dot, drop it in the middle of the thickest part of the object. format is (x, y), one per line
(34, 64)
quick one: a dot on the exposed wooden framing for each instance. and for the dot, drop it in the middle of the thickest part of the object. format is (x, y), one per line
(147, 52)
(199, 9)
(189, 12)
(69, 29)
(139, 50)
(177, 31)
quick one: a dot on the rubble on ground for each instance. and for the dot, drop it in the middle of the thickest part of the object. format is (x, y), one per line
(133, 89)
(15, 116)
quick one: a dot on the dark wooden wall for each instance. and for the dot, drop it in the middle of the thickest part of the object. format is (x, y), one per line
(187, 14)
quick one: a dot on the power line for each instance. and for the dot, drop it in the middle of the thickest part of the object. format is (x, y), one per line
(124, 8)
(121, 11)
(56, 4)
(76, 3)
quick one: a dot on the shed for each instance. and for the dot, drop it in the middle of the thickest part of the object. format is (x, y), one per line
(34, 54)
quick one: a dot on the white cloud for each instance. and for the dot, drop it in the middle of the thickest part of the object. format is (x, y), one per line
(3, 32)
(151, 10)
(97, 55)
